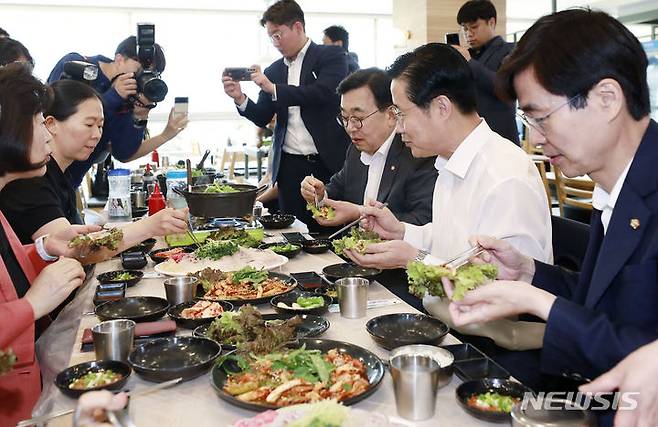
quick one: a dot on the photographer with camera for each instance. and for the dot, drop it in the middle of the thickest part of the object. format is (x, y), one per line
(128, 90)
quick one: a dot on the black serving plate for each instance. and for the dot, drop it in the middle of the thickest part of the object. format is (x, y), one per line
(501, 386)
(288, 254)
(158, 260)
(65, 377)
(475, 369)
(291, 297)
(317, 246)
(164, 359)
(253, 301)
(374, 368)
(346, 269)
(395, 330)
(276, 221)
(311, 326)
(175, 311)
(138, 309)
(109, 277)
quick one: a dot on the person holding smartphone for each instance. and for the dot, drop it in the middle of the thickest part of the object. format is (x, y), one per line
(485, 52)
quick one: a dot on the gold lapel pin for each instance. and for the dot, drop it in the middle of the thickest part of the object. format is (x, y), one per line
(635, 223)
(392, 168)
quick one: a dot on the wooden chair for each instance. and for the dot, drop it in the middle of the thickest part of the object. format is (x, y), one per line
(230, 155)
(541, 168)
(573, 192)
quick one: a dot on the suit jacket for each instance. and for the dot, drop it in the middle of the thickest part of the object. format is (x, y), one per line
(501, 116)
(609, 309)
(21, 387)
(407, 183)
(323, 68)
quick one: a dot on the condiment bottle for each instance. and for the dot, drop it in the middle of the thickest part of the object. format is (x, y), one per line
(156, 201)
(148, 177)
(155, 158)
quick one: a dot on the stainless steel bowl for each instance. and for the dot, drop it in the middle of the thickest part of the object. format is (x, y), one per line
(549, 414)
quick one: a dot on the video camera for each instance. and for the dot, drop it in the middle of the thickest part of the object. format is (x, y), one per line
(148, 79)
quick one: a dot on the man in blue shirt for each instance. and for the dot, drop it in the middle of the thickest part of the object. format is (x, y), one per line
(124, 126)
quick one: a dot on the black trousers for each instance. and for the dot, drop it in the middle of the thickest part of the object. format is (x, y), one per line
(292, 170)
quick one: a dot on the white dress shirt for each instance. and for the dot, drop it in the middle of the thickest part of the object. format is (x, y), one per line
(488, 186)
(298, 139)
(605, 202)
(375, 163)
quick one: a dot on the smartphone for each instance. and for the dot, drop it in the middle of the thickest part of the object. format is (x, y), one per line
(452, 38)
(239, 74)
(180, 105)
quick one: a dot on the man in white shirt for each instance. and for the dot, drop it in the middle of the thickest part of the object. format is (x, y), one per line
(300, 88)
(378, 166)
(485, 182)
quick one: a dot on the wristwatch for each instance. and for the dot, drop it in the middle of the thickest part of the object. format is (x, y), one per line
(41, 249)
(421, 255)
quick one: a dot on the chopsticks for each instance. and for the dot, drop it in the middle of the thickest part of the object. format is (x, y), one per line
(382, 206)
(136, 393)
(465, 256)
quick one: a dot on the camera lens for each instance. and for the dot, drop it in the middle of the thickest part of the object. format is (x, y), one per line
(152, 86)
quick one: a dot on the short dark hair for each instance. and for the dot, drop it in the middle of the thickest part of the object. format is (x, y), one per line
(572, 50)
(11, 50)
(283, 12)
(128, 48)
(377, 81)
(3, 33)
(22, 96)
(436, 69)
(473, 10)
(67, 96)
(338, 32)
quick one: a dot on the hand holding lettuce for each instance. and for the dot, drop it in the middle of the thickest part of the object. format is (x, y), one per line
(426, 279)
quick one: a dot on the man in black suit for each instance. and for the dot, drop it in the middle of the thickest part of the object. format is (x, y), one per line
(378, 165)
(300, 89)
(485, 54)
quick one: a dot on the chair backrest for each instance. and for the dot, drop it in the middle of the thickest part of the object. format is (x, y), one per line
(573, 192)
(570, 239)
(541, 167)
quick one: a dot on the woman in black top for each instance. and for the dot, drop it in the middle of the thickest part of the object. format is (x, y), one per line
(46, 205)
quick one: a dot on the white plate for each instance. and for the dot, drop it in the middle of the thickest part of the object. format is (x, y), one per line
(256, 258)
(284, 416)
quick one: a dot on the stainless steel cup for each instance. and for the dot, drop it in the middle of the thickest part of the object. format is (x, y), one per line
(138, 198)
(415, 383)
(180, 289)
(352, 296)
(113, 339)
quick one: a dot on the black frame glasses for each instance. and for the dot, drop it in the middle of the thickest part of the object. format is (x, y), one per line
(357, 122)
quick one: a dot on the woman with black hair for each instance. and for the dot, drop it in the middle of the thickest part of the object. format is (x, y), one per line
(29, 288)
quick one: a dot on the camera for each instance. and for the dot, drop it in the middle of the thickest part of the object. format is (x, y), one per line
(79, 70)
(148, 80)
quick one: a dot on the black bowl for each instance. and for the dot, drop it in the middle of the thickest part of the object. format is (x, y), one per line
(346, 269)
(291, 297)
(289, 254)
(494, 385)
(373, 365)
(277, 221)
(317, 246)
(175, 313)
(311, 326)
(109, 277)
(65, 377)
(164, 359)
(329, 291)
(395, 330)
(145, 246)
(138, 309)
(158, 260)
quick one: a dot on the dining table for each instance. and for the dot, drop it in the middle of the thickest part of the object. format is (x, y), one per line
(195, 402)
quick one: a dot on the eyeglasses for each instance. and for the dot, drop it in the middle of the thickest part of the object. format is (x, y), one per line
(357, 122)
(538, 122)
(399, 116)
